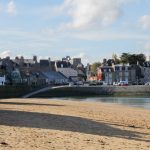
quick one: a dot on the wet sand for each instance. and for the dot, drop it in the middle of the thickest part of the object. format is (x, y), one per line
(39, 124)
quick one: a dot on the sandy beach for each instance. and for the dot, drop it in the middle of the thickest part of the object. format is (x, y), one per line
(40, 124)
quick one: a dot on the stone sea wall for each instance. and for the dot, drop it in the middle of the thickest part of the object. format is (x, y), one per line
(15, 91)
(19, 91)
(96, 91)
(116, 90)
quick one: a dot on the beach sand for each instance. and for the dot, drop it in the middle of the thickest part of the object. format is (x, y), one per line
(40, 124)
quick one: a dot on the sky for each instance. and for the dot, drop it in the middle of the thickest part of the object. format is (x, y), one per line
(90, 29)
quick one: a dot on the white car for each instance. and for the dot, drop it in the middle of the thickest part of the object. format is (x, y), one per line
(79, 83)
(115, 83)
(123, 83)
(147, 83)
(71, 83)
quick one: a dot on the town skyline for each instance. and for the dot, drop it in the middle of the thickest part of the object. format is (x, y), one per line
(64, 27)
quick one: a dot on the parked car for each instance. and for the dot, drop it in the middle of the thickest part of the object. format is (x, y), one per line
(147, 83)
(104, 83)
(92, 83)
(138, 83)
(79, 83)
(123, 83)
(99, 82)
(86, 83)
(115, 83)
(71, 83)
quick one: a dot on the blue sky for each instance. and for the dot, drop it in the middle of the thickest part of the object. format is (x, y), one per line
(90, 29)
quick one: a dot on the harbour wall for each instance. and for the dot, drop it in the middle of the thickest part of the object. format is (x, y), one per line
(16, 91)
(97, 91)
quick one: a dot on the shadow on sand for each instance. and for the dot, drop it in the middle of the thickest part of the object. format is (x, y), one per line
(65, 123)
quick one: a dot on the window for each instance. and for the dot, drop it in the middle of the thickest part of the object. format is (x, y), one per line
(126, 68)
(120, 68)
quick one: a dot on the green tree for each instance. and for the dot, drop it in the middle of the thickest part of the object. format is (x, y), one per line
(115, 58)
(141, 58)
(124, 58)
(132, 58)
(94, 67)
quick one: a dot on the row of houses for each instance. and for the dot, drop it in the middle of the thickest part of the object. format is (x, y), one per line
(45, 71)
(132, 74)
(117, 73)
(30, 71)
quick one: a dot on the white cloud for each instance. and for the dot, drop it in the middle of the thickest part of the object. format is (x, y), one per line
(107, 35)
(144, 22)
(11, 8)
(4, 54)
(87, 13)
